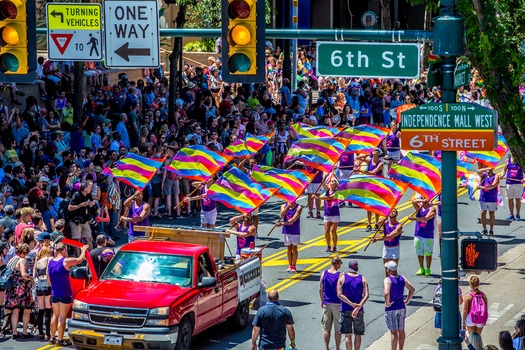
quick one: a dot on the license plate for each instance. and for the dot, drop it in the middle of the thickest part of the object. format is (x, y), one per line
(112, 340)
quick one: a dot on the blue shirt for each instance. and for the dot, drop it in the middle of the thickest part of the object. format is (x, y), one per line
(124, 137)
(273, 318)
(19, 134)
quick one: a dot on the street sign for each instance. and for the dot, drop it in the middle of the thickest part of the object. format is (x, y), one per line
(74, 32)
(449, 127)
(461, 75)
(372, 60)
(131, 32)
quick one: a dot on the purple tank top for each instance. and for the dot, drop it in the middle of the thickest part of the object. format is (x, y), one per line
(490, 196)
(353, 289)
(372, 167)
(135, 212)
(392, 142)
(329, 282)
(244, 242)
(331, 207)
(396, 293)
(295, 228)
(514, 173)
(424, 229)
(59, 277)
(347, 160)
(318, 177)
(207, 204)
(389, 228)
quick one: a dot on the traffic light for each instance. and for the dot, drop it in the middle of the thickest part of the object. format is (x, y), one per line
(479, 254)
(17, 40)
(243, 41)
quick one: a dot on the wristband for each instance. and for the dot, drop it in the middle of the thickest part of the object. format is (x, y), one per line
(292, 342)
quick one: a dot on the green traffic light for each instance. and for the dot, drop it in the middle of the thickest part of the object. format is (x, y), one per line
(239, 63)
(9, 62)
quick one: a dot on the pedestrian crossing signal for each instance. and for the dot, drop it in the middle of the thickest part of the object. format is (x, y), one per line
(479, 254)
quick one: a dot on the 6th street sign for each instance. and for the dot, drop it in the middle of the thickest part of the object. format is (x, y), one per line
(449, 127)
(131, 31)
(372, 60)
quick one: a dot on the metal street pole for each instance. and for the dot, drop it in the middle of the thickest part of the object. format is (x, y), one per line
(287, 62)
(295, 23)
(449, 32)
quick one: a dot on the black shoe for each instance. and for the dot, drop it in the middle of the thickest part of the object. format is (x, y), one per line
(16, 336)
(26, 336)
(63, 342)
(376, 227)
(368, 228)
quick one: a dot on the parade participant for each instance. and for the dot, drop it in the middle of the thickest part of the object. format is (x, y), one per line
(392, 230)
(488, 197)
(291, 224)
(424, 233)
(395, 304)
(375, 167)
(346, 168)
(271, 323)
(330, 302)
(352, 289)
(313, 189)
(138, 215)
(208, 206)
(244, 230)
(514, 175)
(392, 144)
(331, 212)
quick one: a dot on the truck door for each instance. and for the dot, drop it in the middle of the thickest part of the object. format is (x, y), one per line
(209, 306)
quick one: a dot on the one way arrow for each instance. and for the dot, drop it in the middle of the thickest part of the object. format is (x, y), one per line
(61, 14)
(125, 51)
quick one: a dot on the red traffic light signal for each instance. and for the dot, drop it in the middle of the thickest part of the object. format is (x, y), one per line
(479, 254)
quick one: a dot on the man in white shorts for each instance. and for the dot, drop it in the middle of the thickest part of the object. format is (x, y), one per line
(514, 175)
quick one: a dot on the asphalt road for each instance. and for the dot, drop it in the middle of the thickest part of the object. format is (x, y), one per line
(299, 291)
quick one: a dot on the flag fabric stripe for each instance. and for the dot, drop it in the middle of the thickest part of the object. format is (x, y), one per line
(198, 162)
(293, 182)
(321, 153)
(238, 149)
(255, 143)
(422, 172)
(135, 170)
(490, 158)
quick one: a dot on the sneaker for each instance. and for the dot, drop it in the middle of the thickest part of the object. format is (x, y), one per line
(318, 215)
(328, 249)
(427, 272)
(310, 215)
(334, 250)
(420, 272)
(511, 217)
(376, 227)
(518, 218)
(289, 269)
(491, 233)
(293, 269)
(368, 228)
(484, 232)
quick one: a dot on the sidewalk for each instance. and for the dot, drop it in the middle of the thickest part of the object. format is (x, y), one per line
(506, 305)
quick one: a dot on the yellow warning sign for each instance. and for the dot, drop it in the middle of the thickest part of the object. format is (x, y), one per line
(74, 16)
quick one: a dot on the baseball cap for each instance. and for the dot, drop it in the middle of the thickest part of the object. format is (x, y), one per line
(44, 235)
(60, 246)
(391, 265)
(8, 189)
(9, 209)
(353, 265)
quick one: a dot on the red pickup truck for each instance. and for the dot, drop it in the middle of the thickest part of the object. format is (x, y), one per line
(158, 294)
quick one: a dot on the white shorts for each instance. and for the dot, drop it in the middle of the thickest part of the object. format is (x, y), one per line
(469, 323)
(514, 191)
(209, 217)
(391, 252)
(345, 173)
(314, 188)
(332, 219)
(292, 240)
(394, 155)
(490, 206)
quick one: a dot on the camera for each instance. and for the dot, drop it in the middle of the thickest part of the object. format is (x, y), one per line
(77, 220)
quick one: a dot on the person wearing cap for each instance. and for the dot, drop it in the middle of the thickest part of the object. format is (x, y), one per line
(352, 289)
(7, 197)
(80, 209)
(395, 304)
(8, 222)
(424, 233)
(392, 230)
(330, 302)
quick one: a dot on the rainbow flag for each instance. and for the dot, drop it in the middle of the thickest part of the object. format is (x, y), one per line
(373, 193)
(237, 190)
(490, 158)
(319, 153)
(134, 170)
(198, 163)
(304, 131)
(238, 150)
(472, 183)
(255, 143)
(291, 183)
(364, 133)
(422, 172)
(463, 168)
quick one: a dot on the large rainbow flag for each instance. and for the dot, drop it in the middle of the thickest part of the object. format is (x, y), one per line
(134, 170)
(490, 158)
(291, 183)
(363, 138)
(255, 143)
(238, 149)
(319, 153)
(198, 163)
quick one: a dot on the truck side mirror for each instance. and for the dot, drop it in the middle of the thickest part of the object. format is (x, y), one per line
(79, 273)
(207, 282)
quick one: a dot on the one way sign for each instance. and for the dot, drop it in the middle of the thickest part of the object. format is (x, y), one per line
(131, 34)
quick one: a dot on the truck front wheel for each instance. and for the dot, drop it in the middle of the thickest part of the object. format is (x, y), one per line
(239, 319)
(184, 335)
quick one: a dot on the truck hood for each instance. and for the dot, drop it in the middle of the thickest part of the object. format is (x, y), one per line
(131, 294)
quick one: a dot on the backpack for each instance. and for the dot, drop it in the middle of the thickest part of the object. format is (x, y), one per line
(478, 310)
(63, 211)
(377, 106)
(437, 300)
(7, 276)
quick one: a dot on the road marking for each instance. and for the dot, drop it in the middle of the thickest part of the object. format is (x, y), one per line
(495, 313)
(515, 318)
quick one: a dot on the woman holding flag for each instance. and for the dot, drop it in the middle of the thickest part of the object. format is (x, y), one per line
(375, 167)
(331, 211)
(392, 230)
(244, 230)
(291, 224)
(208, 206)
(514, 175)
(488, 197)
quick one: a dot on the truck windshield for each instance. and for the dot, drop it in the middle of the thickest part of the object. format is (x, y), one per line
(144, 267)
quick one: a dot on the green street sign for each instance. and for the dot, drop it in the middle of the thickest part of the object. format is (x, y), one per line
(461, 75)
(371, 60)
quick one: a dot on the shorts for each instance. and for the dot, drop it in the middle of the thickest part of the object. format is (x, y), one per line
(209, 217)
(335, 219)
(43, 289)
(514, 191)
(314, 188)
(156, 189)
(469, 323)
(391, 252)
(394, 155)
(345, 173)
(171, 187)
(490, 206)
(423, 246)
(331, 313)
(80, 231)
(292, 240)
(350, 325)
(63, 300)
(395, 319)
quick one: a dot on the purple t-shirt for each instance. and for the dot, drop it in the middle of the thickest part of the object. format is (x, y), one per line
(353, 289)
(514, 173)
(392, 142)
(424, 229)
(207, 204)
(347, 161)
(331, 207)
(489, 196)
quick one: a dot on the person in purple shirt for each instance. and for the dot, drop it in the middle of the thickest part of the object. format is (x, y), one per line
(395, 304)
(392, 230)
(291, 215)
(424, 233)
(313, 189)
(138, 215)
(331, 211)
(488, 197)
(375, 168)
(208, 206)
(514, 175)
(330, 302)
(244, 230)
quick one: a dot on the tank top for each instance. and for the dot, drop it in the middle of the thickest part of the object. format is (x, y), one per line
(135, 212)
(329, 283)
(347, 161)
(490, 196)
(42, 272)
(389, 228)
(424, 229)
(514, 173)
(353, 290)
(295, 228)
(371, 167)
(396, 293)
(59, 277)
(331, 207)
(392, 142)
(318, 177)
(244, 242)
(281, 138)
(207, 204)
